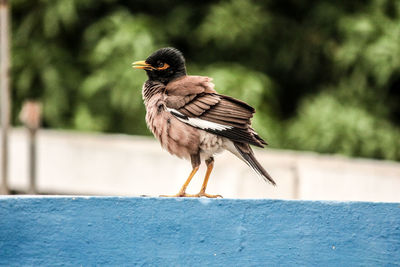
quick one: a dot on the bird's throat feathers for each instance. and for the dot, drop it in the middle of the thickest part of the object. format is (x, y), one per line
(151, 88)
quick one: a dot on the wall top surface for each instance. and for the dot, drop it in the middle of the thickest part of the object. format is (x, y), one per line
(192, 232)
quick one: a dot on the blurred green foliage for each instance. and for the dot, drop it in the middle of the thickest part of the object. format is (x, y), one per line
(323, 75)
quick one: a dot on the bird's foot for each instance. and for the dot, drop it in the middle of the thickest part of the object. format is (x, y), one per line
(200, 194)
(180, 194)
(204, 194)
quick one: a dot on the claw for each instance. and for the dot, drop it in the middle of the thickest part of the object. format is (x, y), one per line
(204, 194)
(200, 194)
(177, 195)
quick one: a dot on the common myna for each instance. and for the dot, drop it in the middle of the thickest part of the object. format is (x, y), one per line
(192, 121)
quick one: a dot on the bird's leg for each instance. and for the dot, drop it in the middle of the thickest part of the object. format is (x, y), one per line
(202, 193)
(195, 159)
(182, 192)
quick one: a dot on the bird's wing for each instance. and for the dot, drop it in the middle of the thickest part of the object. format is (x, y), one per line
(194, 101)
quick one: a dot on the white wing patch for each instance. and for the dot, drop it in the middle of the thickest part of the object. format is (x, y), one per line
(203, 124)
(199, 123)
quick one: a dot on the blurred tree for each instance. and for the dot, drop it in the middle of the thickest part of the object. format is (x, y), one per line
(45, 56)
(323, 76)
(110, 96)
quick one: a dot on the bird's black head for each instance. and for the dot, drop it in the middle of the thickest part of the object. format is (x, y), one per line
(164, 65)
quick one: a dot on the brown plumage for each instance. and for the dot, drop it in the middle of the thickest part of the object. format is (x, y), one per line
(191, 120)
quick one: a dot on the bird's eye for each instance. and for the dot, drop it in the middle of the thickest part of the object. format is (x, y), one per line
(162, 66)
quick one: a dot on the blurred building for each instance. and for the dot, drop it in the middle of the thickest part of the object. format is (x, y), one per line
(100, 164)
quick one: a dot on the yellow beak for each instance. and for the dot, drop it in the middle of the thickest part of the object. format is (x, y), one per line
(142, 65)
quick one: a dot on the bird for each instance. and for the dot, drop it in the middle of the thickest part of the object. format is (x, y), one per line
(192, 121)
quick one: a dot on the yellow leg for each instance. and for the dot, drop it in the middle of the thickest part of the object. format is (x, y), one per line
(182, 192)
(202, 192)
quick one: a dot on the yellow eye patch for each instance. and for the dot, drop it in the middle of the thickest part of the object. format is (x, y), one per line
(163, 66)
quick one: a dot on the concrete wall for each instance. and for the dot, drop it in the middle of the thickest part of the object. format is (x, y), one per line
(77, 163)
(98, 231)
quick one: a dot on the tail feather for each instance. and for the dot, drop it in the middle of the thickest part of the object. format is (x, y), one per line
(248, 156)
(262, 141)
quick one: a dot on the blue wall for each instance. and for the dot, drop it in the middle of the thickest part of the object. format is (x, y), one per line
(196, 232)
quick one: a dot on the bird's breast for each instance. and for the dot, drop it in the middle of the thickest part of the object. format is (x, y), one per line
(175, 136)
